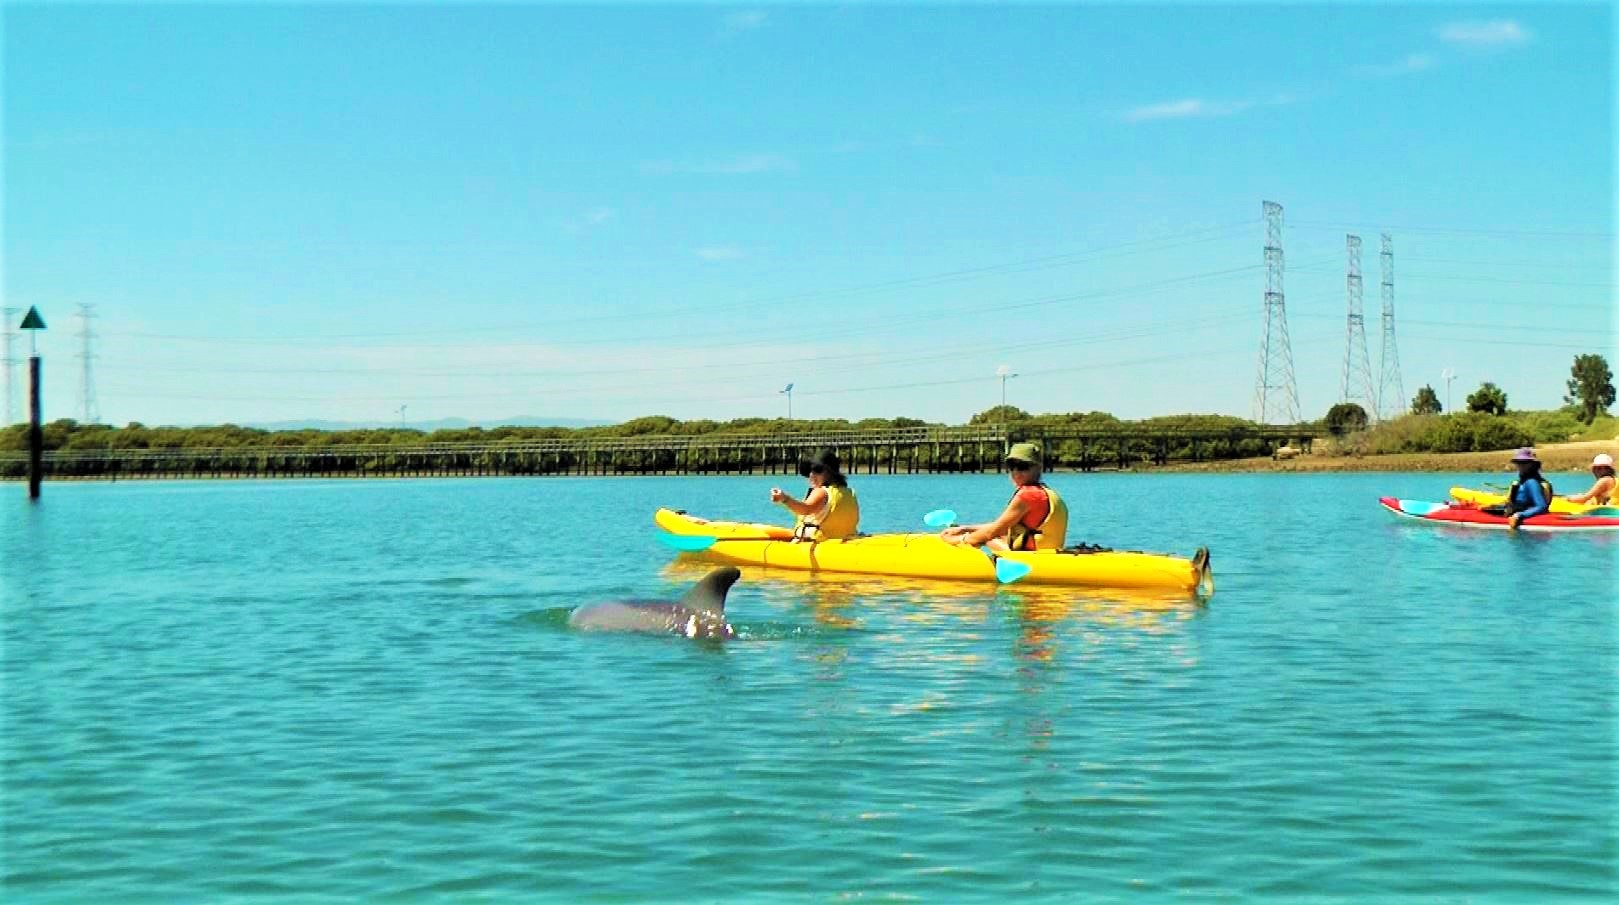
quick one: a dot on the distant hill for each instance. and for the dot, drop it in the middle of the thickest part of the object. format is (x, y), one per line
(426, 426)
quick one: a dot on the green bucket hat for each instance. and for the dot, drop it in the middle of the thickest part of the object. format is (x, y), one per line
(1024, 452)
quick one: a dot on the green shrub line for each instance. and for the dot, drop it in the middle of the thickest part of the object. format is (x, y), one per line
(1475, 432)
(1433, 433)
(67, 434)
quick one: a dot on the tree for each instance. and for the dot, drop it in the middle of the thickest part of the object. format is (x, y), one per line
(1000, 414)
(1426, 402)
(1591, 387)
(1345, 418)
(1488, 398)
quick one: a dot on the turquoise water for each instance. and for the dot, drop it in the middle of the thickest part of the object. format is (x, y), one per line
(366, 690)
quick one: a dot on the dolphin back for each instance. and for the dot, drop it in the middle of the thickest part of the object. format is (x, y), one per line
(626, 616)
(708, 595)
(698, 614)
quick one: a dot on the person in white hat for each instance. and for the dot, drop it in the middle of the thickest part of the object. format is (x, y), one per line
(1601, 493)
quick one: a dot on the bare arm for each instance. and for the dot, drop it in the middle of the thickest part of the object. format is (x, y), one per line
(1603, 486)
(810, 504)
(978, 535)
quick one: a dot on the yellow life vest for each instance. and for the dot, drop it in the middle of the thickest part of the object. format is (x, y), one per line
(840, 518)
(1050, 534)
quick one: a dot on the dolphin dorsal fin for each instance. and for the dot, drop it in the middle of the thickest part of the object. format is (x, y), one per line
(708, 595)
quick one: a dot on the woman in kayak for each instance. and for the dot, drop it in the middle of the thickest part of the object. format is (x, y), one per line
(1601, 493)
(1035, 518)
(1529, 496)
(829, 510)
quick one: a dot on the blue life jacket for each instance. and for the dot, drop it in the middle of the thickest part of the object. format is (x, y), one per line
(1514, 504)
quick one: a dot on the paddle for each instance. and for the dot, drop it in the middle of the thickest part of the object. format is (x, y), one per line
(696, 543)
(1006, 570)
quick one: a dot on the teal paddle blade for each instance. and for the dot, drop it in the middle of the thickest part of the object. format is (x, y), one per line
(1010, 570)
(939, 518)
(688, 543)
(1421, 507)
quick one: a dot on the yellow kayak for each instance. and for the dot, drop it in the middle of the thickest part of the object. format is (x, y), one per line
(1486, 498)
(927, 556)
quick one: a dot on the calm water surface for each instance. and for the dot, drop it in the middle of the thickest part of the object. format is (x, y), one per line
(366, 690)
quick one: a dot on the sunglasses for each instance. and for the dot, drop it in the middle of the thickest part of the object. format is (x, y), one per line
(1019, 466)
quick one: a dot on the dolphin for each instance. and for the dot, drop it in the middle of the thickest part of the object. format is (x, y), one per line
(698, 614)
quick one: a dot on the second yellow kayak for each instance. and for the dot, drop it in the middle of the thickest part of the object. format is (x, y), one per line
(1486, 498)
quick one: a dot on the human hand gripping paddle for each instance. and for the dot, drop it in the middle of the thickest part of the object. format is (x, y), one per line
(1006, 570)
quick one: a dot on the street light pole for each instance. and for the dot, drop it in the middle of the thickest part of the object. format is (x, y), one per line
(1005, 373)
(788, 392)
(1448, 376)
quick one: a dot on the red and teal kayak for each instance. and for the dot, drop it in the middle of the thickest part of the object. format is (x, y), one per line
(1473, 517)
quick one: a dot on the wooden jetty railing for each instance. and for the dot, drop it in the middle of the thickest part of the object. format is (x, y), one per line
(899, 450)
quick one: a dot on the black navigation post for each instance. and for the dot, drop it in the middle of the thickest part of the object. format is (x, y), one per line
(36, 436)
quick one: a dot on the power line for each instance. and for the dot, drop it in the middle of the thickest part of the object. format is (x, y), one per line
(1445, 277)
(731, 379)
(1179, 356)
(1571, 265)
(1509, 342)
(1468, 231)
(1476, 325)
(883, 323)
(927, 280)
(1119, 333)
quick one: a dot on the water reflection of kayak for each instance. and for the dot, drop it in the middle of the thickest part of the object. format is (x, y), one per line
(1472, 517)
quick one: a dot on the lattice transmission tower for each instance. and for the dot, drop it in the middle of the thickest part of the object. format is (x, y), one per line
(8, 361)
(1357, 380)
(1390, 388)
(87, 385)
(1276, 393)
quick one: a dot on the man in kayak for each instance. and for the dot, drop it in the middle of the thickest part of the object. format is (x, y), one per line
(1601, 493)
(1529, 496)
(1035, 518)
(829, 510)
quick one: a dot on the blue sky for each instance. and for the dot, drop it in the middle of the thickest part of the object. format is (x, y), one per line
(331, 211)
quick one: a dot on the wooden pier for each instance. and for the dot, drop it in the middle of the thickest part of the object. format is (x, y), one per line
(893, 451)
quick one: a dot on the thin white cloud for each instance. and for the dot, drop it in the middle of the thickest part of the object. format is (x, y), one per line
(1411, 63)
(719, 253)
(590, 219)
(1187, 108)
(740, 165)
(1492, 33)
(755, 163)
(744, 20)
